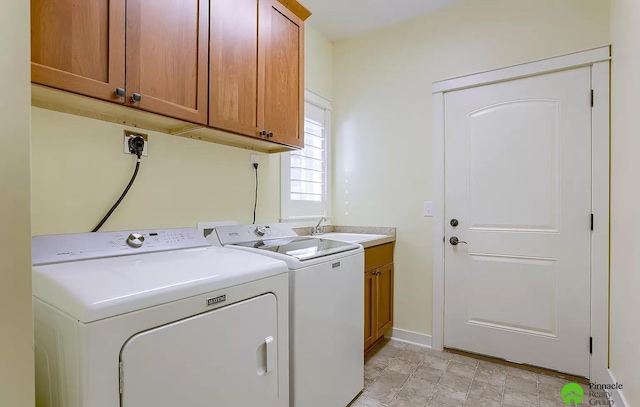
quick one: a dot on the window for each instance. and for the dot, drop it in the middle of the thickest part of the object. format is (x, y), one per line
(305, 173)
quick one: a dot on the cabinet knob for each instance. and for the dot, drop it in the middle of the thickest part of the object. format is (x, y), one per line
(136, 98)
(270, 135)
(263, 133)
(120, 93)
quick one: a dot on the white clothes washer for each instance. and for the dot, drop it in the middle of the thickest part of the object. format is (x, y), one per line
(326, 288)
(158, 318)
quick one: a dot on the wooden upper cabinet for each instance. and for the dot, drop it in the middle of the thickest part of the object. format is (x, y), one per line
(79, 46)
(282, 64)
(257, 70)
(233, 67)
(168, 56)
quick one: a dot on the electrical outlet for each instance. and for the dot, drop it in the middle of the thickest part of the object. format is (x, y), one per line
(129, 135)
(254, 159)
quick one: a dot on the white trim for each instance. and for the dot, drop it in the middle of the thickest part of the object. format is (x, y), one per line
(438, 221)
(318, 100)
(411, 337)
(599, 60)
(616, 395)
(600, 236)
(575, 60)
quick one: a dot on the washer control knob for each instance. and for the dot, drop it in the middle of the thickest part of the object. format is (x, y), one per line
(260, 231)
(135, 240)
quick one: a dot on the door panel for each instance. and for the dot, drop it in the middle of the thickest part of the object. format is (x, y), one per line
(283, 67)
(384, 287)
(531, 205)
(370, 305)
(79, 46)
(233, 88)
(168, 56)
(518, 179)
(539, 297)
(221, 357)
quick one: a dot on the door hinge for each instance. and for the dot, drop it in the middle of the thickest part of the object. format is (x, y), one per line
(591, 97)
(121, 376)
(592, 221)
(591, 345)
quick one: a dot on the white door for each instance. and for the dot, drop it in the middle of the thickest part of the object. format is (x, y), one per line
(518, 182)
(225, 357)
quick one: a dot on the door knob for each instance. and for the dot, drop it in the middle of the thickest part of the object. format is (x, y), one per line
(454, 222)
(455, 241)
(136, 98)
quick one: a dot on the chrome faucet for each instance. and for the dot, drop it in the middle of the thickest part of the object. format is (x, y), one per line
(318, 230)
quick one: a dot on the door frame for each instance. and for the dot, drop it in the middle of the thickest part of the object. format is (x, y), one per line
(599, 61)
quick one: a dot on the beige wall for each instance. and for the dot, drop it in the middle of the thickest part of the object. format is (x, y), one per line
(16, 332)
(318, 63)
(625, 198)
(382, 92)
(79, 170)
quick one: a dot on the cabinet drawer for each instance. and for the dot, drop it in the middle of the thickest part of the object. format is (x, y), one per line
(378, 256)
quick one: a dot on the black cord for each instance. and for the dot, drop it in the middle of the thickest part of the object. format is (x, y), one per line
(255, 202)
(113, 208)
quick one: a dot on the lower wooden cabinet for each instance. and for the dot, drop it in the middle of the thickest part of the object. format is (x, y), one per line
(370, 317)
(384, 306)
(378, 293)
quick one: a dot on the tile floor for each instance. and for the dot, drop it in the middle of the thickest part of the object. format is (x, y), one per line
(401, 375)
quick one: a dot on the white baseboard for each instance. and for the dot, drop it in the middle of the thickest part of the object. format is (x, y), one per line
(414, 338)
(617, 395)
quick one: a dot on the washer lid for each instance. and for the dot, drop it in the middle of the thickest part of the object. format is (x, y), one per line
(301, 248)
(91, 290)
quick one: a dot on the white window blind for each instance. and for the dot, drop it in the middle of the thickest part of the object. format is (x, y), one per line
(308, 166)
(305, 172)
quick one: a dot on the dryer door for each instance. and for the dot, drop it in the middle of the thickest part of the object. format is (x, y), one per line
(226, 357)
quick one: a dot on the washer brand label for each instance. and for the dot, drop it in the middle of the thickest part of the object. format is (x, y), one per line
(216, 300)
(335, 265)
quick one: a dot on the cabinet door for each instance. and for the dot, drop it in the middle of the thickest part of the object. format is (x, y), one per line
(282, 64)
(233, 66)
(79, 46)
(384, 287)
(230, 355)
(370, 330)
(168, 56)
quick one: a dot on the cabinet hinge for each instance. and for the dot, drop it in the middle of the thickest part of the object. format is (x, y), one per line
(121, 376)
(591, 97)
(591, 345)
(592, 221)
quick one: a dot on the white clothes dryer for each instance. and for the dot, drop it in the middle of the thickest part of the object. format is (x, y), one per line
(158, 318)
